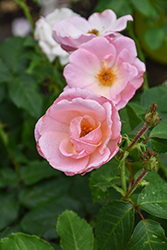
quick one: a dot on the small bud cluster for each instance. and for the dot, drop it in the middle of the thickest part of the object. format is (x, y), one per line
(152, 117)
(150, 162)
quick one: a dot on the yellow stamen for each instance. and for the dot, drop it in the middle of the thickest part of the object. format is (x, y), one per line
(106, 76)
(94, 31)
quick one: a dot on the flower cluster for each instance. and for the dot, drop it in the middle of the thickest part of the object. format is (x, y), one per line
(81, 130)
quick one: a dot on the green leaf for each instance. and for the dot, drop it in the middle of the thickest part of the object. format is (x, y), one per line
(154, 37)
(137, 108)
(36, 171)
(14, 54)
(114, 225)
(4, 72)
(8, 209)
(148, 235)
(42, 220)
(129, 119)
(159, 131)
(43, 192)
(103, 178)
(159, 145)
(120, 7)
(75, 233)
(25, 94)
(20, 241)
(145, 7)
(158, 95)
(153, 199)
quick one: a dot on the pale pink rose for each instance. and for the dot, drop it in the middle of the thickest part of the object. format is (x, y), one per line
(107, 67)
(72, 32)
(79, 132)
(43, 33)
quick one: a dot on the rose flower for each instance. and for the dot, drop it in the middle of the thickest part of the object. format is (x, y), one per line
(79, 132)
(107, 67)
(73, 31)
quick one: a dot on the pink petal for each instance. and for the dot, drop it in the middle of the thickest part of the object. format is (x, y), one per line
(49, 144)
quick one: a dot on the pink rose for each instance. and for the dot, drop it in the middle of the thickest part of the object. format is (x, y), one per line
(79, 132)
(73, 31)
(107, 67)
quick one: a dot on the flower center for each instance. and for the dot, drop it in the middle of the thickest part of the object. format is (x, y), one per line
(86, 128)
(106, 75)
(94, 31)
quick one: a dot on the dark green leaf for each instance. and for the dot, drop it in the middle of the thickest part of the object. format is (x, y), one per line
(103, 178)
(154, 37)
(75, 233)
(14, 54)
(120, 7)
(153, 199)
(25, 94)
(114, 225)
(137, 108)
(42, 220)
(159, 131)
(129, 119)
(159, 145)
(20, 241)
(44, 192)
(148, 235)
(36, 171)
(145, 7)
(8, 209)
(158, 95)
(4, 72)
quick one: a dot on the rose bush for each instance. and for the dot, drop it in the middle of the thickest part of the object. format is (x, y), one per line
(43, 33)
(107, 67)
(81, 30)
(79, 132)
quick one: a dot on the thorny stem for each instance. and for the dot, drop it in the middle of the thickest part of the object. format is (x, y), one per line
(137, 137)
(136, 183)
(122, 167)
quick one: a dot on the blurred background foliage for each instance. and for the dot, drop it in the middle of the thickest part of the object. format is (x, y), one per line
(33, 194)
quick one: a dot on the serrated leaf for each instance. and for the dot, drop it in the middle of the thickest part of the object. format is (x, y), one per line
(75, 233)
(114, 225)
(25, 94)
(20, 241)
(129, 119)
(148, 235)
(42, 220)
(145, 7)
(101, 179)
(137, 108)
(153, 199)
(154, 37)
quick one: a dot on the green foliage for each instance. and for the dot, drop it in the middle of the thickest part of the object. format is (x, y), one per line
(37, 199)
(111, 223)
(148, 235)
(20, 241)
(75, 233)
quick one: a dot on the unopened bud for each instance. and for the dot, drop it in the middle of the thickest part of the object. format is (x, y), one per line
(152, 117)
(150, 162)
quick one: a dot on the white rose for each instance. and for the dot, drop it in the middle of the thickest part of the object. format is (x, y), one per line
(43, 33)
